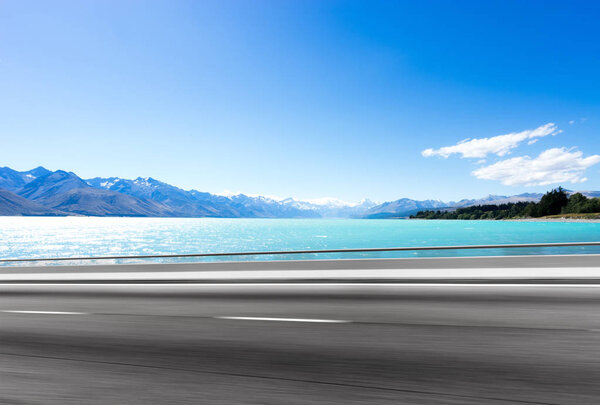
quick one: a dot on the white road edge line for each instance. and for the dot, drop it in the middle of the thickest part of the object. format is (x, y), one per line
(292, 284)
(43, 312)
(254, 318)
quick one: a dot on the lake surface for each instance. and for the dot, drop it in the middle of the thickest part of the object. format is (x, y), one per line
(36, 237)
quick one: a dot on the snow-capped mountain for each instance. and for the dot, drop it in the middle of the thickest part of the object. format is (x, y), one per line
(194, 203)
(332, 207)
(402, 208)
(13, 180)
(42, 192)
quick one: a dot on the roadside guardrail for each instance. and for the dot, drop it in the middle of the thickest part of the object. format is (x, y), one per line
(296, 252)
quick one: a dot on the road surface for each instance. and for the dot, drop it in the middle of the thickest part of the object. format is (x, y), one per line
(250, 345)
(300, 343)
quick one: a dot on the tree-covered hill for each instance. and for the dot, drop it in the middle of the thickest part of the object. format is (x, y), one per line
(554, 202)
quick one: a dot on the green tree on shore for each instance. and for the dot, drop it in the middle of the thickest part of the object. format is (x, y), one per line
(552, 202)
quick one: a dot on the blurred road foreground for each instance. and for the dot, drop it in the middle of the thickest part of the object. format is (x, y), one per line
(485, 330)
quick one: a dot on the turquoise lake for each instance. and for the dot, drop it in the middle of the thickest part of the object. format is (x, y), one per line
(36, 237)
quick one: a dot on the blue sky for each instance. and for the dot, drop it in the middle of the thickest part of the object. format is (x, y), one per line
(306, 98)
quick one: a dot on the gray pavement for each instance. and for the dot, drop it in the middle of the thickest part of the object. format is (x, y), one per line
(481, 262)
(580, 269)
(400, 344)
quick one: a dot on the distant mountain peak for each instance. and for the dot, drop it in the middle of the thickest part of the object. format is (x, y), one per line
(13, 180)
(51, 184)
(38, 171)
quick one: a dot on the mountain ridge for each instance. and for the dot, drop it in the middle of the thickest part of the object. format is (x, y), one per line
(12, 204)
(13, 180)
(43, 192)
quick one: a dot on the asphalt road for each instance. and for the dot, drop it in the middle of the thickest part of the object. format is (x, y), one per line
(320, 344)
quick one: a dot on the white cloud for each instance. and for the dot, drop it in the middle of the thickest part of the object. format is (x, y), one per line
(553, 166)
(572, 122)
(499, 145)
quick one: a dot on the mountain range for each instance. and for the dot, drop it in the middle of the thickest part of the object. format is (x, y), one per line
(40, 192)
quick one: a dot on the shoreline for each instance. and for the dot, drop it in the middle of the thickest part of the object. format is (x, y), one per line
(562, 219)
(565, 219)
(577, 220)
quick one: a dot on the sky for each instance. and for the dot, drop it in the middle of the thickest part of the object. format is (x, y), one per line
(306, 99)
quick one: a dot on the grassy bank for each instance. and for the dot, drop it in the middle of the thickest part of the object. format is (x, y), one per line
(593, 215)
